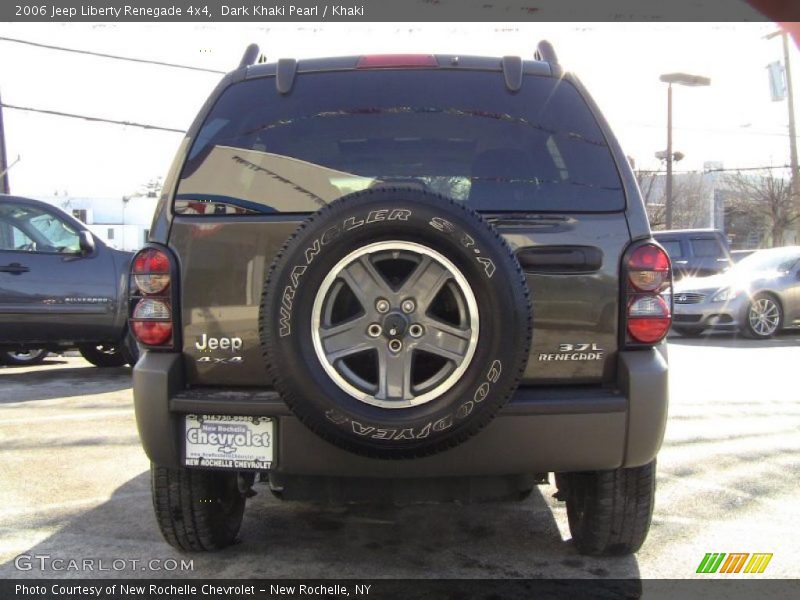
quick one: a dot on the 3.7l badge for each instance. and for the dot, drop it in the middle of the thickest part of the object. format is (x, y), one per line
(588, 351)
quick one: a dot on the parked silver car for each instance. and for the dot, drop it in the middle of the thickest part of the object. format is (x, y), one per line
(758, 296)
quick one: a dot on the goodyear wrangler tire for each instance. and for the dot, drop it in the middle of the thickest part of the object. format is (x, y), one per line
(395, 323)
(197, 510)
(609, 512)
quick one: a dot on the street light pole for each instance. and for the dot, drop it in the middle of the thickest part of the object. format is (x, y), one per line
(669, 158)
(682, 79)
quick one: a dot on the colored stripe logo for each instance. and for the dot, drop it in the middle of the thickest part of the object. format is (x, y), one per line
(735, 562)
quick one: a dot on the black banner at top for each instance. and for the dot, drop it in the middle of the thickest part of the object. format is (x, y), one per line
(265, 11)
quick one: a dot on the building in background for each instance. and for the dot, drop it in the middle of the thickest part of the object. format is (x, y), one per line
(122, 223)
(749, 207)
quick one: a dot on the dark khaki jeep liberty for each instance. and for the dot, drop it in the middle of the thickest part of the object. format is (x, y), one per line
(401, 277)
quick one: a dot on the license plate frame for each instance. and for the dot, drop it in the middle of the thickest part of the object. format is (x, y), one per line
(241, 443)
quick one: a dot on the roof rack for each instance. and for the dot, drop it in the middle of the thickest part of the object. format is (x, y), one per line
(249, 57)
(512, 72)
(545, 52)
(285, 69)
(252, 56)
(284, 75)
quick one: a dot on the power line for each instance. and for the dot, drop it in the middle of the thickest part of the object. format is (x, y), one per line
(765, 168)
(88, 118)
(111, 56)
(750, 168)
(740, 131)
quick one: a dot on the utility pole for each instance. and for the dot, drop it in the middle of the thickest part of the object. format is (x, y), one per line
(4, 187)
(795, 176)
(795, 184)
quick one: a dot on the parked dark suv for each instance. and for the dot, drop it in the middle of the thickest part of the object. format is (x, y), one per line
(401, 278)
(696, 252)
(60, 288)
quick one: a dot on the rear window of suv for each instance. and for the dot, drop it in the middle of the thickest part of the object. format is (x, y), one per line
(673, 248)
(707, 247)
(459, 133)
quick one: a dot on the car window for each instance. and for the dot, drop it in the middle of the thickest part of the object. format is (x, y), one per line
(12, 238)
(59, 234)
(32, 229)
(706, 247)
(779, 259)
(789, 264)
(673, 248)
(459, 133)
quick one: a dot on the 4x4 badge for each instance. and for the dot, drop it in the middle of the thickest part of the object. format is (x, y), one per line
(232, 360)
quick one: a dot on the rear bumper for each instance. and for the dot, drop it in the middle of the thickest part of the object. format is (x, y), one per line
(539, 430)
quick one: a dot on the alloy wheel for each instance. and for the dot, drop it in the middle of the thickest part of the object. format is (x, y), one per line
(395, 324)
(764, 316)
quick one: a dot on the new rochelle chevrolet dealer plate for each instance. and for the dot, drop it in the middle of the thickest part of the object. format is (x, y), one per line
(227, 442)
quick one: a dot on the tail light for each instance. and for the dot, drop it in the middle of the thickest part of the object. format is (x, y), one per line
(647, 279)
(151, 271)
(397, 61)
(151, 298)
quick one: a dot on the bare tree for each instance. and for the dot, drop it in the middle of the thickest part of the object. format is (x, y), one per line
(152, 189)
(690, 198)
(653, 196)
(452, 187)
(764, 197)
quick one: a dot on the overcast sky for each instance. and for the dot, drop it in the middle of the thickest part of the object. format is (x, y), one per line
(733, 121)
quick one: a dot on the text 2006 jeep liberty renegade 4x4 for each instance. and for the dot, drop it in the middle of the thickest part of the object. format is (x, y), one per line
(376, 275)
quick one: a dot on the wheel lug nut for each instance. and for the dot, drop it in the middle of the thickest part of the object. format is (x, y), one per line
(382, 306)
(395, 345)
(415, 330)
(374, 330)
(408, 306)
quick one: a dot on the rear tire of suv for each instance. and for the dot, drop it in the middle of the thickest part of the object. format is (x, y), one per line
(609, 512)
(197, 510)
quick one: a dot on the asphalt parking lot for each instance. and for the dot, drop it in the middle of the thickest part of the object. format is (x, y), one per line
(76, 487)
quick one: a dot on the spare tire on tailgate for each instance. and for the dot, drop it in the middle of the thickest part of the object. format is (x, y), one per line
(395, 323)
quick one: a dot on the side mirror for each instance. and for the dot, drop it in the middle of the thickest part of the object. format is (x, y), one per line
(86, 242)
